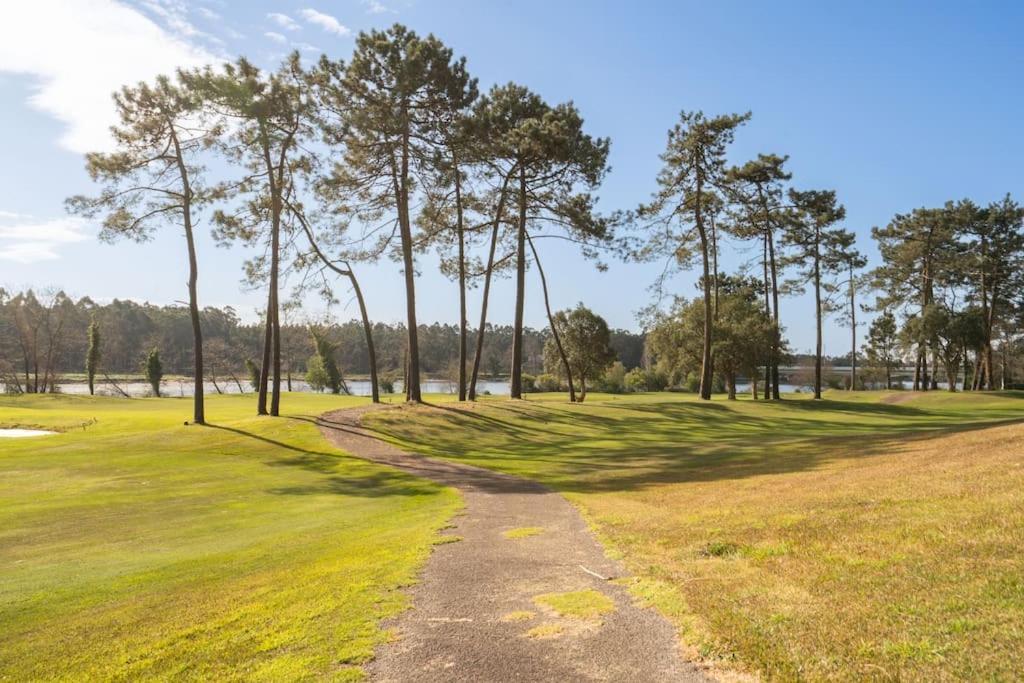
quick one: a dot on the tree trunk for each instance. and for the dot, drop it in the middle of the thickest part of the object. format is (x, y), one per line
(730, 381)
(551, 320)
(261, 400)
(753, 385)
(516, 380)
(198, 405)
(460, 229)
(705, 363)
(775, 316)
(413, 387)
(401, 183)
(714, 260)
(768, 313)
(371, 352)
(817, 313)
(853, 333)
(498, 214)
(967, 370)
(275, 394)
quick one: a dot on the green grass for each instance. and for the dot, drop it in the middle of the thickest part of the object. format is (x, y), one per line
(585, 604)
(865, 536)
(523, 532)
(519, 615)
(545, 631)
(133, 547)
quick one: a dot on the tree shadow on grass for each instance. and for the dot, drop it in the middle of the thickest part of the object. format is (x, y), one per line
(628, 446)
(371, 481)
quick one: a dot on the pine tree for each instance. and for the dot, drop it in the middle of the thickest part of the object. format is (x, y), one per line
(693, 166)
(817, 249)
(756, 189)
(269, 118)
(154, 177)
(388, 101)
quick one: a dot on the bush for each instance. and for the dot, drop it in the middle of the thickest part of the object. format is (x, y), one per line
(692, 383)
(547, 383)
(154, 370)
(316, 374)
(614, 380)
(529, 384)
(254, 373)
(639, 379)
(386, 384)
(832, 381)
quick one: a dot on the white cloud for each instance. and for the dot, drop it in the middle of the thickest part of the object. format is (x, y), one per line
(284, 21)
(276, 37)
(376, 7)
(325, 21)
(306, 47)
(81, 51)
(29, 242)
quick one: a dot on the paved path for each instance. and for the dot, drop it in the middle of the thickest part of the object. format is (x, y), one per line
(458, 630)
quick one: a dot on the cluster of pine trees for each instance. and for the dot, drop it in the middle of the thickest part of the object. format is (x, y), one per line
(951, 288)
(341, 163)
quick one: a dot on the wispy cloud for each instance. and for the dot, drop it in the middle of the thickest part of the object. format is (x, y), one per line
(325, 21)
(174, 16)
(207, 13)
(284, 21)
(80, 52)
(276, 37)
(32, 241)
(306, 47)
(377, 7)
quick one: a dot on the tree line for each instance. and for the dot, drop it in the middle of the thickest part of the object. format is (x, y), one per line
(45, 336)
(396, 151)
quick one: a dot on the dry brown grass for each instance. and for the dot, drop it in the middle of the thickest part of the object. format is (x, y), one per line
(902, 565)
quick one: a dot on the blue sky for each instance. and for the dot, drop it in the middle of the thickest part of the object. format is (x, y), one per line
(894, 105)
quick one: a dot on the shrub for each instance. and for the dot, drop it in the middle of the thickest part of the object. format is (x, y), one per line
(254, 373)
(547, 383)
(154, 370)
(639, 379)
(832, 381)
(529, 384)
(316, 374)
(614, 380)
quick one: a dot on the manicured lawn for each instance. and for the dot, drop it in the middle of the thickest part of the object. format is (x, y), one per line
(866, 536)
(132, 546)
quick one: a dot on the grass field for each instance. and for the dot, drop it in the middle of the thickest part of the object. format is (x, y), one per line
(873, 536)
(132, 546)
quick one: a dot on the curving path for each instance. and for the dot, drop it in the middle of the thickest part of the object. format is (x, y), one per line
(461, 625)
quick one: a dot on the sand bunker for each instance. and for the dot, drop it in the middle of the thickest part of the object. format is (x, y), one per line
(19, 433)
